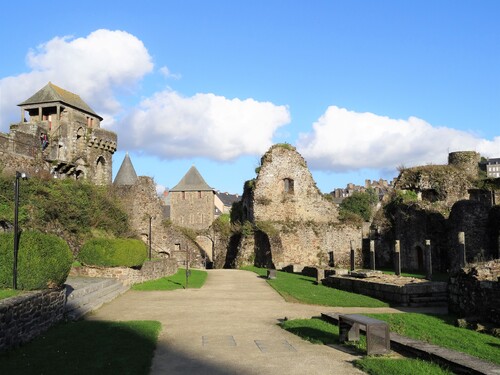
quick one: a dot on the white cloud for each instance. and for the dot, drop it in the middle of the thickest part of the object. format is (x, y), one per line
(165, 72)
(343, 140)
(93, 67)
(169, 125)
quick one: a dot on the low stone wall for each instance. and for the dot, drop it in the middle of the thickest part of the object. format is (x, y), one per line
(474, 291)
(150, 270)
(409, 294)
(24, 317)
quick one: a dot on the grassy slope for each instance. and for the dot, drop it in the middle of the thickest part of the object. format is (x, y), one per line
(299, 288)
(87, 347)
(177, 281)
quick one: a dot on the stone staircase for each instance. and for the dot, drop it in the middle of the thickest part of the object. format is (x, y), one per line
(85, 294)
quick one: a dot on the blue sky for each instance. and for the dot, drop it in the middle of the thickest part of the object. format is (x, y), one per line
(359, 87)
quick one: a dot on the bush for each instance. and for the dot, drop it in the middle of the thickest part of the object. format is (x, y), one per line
(44, 260)
(113, 252)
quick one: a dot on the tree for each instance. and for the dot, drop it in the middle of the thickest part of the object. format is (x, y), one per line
(359, 203)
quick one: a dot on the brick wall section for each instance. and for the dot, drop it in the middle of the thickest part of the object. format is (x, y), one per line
(128, 276)
(474, 291)
(24, 317)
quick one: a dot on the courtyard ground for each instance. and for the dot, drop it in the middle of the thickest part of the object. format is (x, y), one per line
(230, 326)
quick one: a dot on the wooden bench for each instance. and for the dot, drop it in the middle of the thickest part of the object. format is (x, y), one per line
(378, 340)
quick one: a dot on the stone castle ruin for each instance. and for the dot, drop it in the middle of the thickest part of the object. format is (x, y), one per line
(450, 199)
(60, 134)
(147, 217)
(295, 225)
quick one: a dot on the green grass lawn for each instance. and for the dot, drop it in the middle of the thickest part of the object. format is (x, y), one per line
(6, 293)
(177, 281)
(320, 332)
(87, 347)
(441, 330)
(302, 289)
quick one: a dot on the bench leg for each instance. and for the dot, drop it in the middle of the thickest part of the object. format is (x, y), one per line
(348, 331)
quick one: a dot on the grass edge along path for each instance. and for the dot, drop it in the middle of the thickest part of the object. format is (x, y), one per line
(302, 289)
(176, 281)
(318, 331)
(7, 293)
(87, 347)
(441, 330)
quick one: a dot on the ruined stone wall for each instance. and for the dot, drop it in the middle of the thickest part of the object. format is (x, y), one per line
(192, 209)
(24, 317)
(150, 270)
(413, 226)
(141, 202)
(467, 161)
(474, 291)
(285, 190)
(470, 217)
(10, 163)
(310, 243)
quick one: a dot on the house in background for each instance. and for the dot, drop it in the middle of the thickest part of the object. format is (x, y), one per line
(493, 168)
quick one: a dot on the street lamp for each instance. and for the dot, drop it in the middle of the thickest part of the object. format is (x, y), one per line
(19, 175)
(150, 218)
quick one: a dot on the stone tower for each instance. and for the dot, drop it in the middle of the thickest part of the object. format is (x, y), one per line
(77, 147)
(192, 201)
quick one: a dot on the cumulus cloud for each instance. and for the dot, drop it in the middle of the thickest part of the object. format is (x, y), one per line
(94, 67)
(169, 125)
(343, 140)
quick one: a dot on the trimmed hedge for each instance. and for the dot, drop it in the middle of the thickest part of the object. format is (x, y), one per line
(44, 260)
(113, 252)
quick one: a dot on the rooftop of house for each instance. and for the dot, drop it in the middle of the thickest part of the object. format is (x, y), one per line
(228, 199)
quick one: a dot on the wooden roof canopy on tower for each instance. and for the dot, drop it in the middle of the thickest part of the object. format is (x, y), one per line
(51, 93)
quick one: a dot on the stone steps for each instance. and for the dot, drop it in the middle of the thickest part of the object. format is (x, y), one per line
(85, 294)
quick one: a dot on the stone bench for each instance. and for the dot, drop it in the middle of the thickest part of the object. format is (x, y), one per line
(378, 340)
(271, 274)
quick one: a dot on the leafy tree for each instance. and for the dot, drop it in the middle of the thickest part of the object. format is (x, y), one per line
(359, 203)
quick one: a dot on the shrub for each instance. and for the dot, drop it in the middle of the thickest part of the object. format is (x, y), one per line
(113, 252)
(44, 260)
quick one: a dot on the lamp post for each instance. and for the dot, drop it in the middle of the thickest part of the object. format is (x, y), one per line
(19, 175)
(150, 218)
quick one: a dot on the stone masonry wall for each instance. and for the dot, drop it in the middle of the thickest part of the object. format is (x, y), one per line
(474, 291)
(150, 270)
(141, 201)
(285, 190)
(24, 317)
(192, 209)
(310, 243)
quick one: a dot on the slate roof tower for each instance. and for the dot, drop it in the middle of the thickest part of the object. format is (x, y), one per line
(126, 174)
(192, 201)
